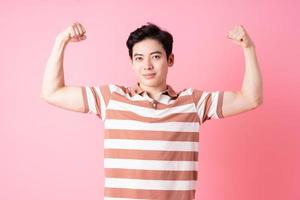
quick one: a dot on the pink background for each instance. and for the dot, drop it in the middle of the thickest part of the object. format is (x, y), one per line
(50, 153)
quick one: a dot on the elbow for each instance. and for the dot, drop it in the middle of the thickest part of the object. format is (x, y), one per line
(258, 102)
(44, 96)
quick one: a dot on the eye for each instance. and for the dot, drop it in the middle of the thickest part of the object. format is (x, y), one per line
(138, 58)
(156, 56)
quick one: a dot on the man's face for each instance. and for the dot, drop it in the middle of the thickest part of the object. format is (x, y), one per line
(149, 61)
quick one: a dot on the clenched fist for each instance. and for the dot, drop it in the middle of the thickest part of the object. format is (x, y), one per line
(239, 36)
(73, 33)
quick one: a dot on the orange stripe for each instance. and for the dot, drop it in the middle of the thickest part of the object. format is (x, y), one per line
(151, 174)
(220, 103)
(197, 95)
(208, 103)
(145, 103)
(151, 154)
(105, 91)
(176, 117)
(152, 135)
(149, 194)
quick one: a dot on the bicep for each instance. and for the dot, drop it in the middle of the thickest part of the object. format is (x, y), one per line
(235, 103)
(69, 98)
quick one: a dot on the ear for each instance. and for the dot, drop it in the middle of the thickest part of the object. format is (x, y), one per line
(171, 59)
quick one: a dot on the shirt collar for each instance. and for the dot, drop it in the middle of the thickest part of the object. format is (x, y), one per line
(169, 90)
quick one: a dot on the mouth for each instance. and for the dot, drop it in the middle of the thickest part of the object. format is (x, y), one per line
(149, 76)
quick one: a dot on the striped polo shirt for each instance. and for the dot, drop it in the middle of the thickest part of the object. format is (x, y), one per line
(151, 146)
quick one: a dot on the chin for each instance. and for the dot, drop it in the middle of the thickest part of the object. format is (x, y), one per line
(150, 83)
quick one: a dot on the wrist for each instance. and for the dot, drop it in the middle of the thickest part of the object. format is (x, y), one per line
(249, 47)
(250, 50)
(61, 39)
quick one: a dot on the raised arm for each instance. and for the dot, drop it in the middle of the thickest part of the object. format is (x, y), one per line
(250, 96)
(54, 91)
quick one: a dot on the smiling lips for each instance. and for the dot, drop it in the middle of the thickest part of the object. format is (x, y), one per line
(149, 76)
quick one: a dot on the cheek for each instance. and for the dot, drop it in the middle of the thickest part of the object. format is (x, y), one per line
(136, 68)
(164, 68)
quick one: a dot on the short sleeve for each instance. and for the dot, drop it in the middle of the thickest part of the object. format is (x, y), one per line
(96, 99)
(208, 104)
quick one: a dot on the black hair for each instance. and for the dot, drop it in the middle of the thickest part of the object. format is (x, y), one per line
(150, 31)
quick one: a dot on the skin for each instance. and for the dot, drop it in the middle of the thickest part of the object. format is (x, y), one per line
(56, 92)
(250, 95)
(149, 56)
(234, 102)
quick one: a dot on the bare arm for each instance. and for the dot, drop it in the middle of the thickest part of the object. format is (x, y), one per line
(250, 96)
(54, 91)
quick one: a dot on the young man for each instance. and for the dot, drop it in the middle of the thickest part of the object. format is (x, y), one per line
(151, 131)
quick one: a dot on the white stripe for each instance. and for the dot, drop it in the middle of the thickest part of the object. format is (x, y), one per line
(150, 145)
(114, 88)
(164, 100)
(149, 184)
(150, 112)
(118, 90)
(102, 103)
(163, 126)
(186, 92)
(201, 105)
(91, 100)
(212, 113)
(150, 164)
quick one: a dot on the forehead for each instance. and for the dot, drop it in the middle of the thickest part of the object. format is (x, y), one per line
(147, 46)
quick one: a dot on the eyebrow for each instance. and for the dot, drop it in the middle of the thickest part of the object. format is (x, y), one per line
(154, 52)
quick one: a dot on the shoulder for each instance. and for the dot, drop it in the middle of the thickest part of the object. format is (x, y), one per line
(188, 91)
(118, 88)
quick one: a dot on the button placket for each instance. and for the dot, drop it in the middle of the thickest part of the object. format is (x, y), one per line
(154, 104)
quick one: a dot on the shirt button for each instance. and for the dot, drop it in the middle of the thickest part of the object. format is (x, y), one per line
(154, 105)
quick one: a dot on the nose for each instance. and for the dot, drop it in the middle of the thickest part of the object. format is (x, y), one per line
(148, 64)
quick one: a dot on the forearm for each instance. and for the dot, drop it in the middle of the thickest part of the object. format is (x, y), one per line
(252, 88)
(54, 73)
